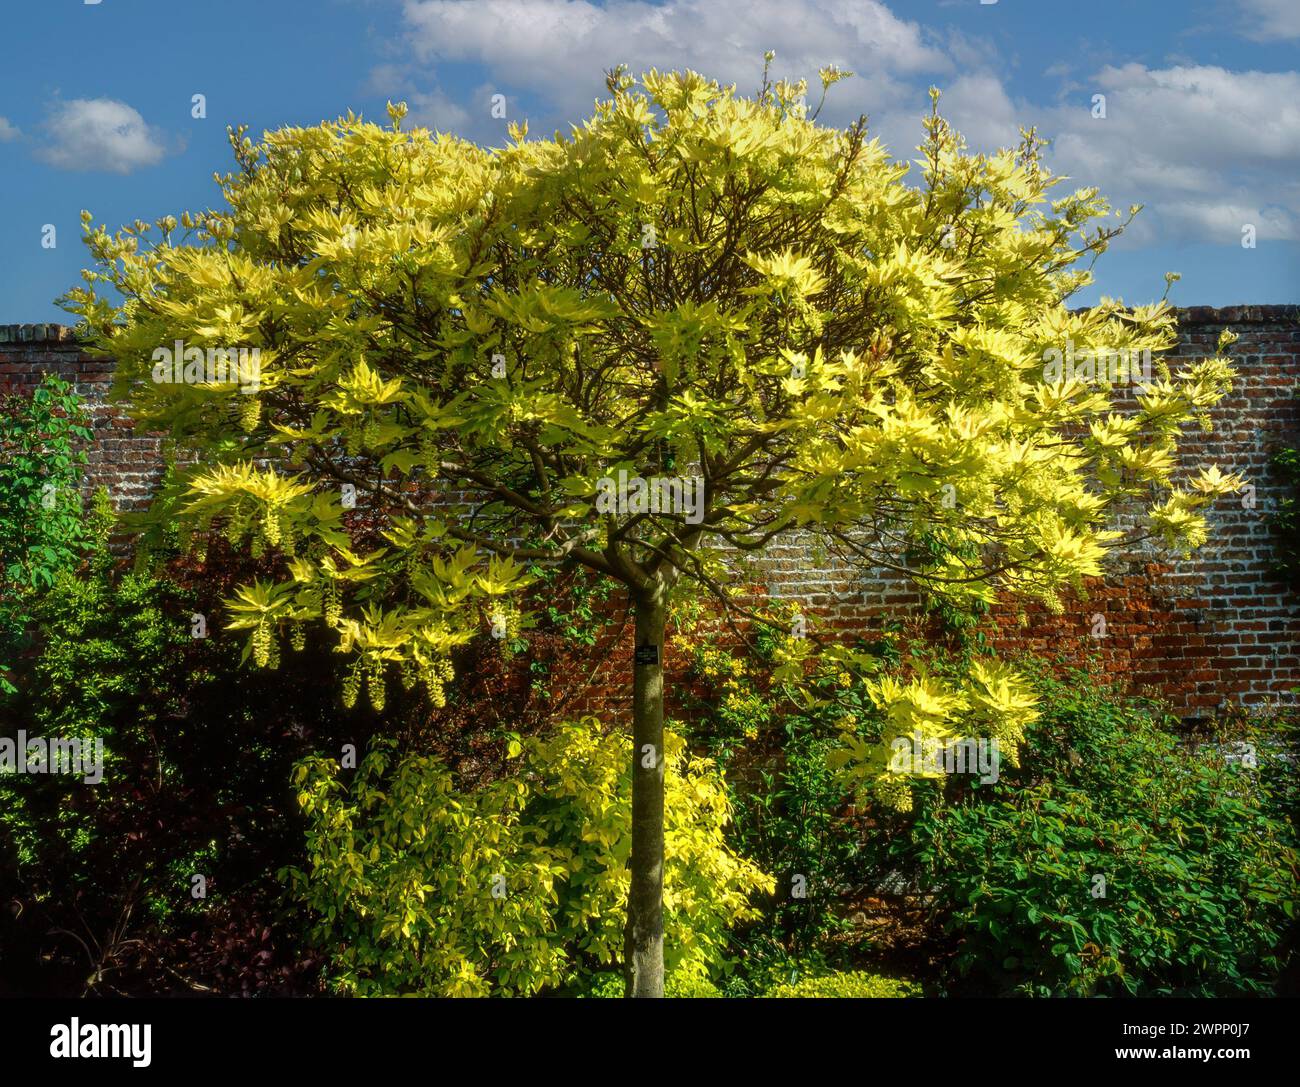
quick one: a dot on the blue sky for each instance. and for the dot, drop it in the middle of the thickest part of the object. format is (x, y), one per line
(1202, 120)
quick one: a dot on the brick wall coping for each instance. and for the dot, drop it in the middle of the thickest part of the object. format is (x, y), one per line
(36, 334)
(1189, 315)
(1235, 315)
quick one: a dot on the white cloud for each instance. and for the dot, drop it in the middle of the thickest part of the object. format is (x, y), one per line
(386, 78)
(7, 130)
(1205, 149)
(99, 134)
(1269, 19)
(560, 49)
(436, 111)
(1222, 220)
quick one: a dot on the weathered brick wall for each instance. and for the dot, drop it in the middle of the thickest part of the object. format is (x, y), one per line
(1215, 628)
(128, 464)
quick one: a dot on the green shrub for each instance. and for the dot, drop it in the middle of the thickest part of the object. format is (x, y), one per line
(848, 984)
(788, 820)
(820, 983)
(42, 531)
(1198, 862)
(197, 755)
(419, 887)
(686, 986)
(789, 806)
(79, 856)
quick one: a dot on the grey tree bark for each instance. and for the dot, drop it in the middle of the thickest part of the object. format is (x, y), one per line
(643, 937)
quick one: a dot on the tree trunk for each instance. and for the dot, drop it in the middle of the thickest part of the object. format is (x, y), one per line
(643, 938)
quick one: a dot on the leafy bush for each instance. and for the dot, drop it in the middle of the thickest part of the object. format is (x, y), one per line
(611, 986)
(42, 531)
(790, 821)
(854, 985)
(196, 762)
(514, 887)
(820, 984)
(1198, 861)
(789, 803)
(83, 857)
(41, 528)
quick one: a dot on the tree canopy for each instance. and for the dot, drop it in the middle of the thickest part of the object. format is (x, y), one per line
(691, 285)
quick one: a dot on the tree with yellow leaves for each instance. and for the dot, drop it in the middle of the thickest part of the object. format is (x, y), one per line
(692, 293)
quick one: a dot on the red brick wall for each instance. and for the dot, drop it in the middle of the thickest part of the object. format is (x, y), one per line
(1213, 628)
(128, 464)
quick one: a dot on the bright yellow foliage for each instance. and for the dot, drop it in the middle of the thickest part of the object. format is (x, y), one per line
(688, 283)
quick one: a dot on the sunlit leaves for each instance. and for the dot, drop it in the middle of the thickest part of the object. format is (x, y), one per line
(690, 282)
(421, 888)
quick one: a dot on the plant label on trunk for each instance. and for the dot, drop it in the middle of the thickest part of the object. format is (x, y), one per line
(647, 654)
